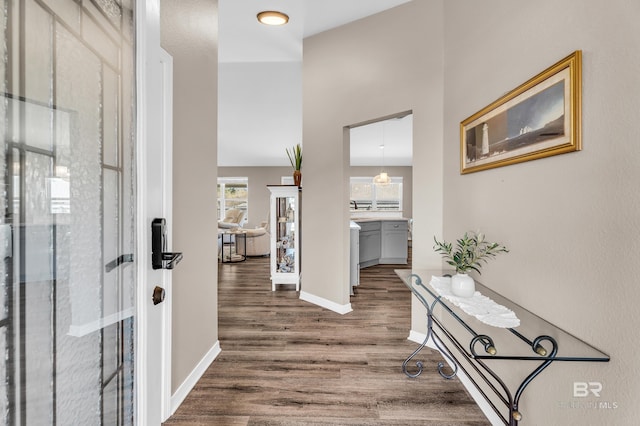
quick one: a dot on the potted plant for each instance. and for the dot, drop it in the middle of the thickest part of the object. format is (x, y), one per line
(295, 158)
(470, 252)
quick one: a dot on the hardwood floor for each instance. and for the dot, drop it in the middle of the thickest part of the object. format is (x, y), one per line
(288, 362)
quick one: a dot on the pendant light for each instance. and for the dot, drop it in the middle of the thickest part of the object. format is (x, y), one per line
(383, 178)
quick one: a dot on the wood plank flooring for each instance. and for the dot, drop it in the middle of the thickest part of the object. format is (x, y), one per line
(288, 362)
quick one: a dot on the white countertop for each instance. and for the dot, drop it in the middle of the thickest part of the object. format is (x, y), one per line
(378, 219)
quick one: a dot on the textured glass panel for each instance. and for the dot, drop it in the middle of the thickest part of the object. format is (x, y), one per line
(38, 87)
(36, 284)
(69, 219)
(127, 21)
(106, 24)
(3, 52)
(40, 118)
(95, 36)
(128, 200)
(112, 10)
(110, 113)
(17, 230)
(77, 373)
(111, 351)
(80, 263)
(5, 230)
(5, 253)
(38, 351)
(110, 402)
(127, 371)
(67, 10)
(60, 185)
(79, 88)
(37, 228)
(111, 304)
(4, 397)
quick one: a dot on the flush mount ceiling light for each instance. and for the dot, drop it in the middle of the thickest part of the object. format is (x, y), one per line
(271, 17)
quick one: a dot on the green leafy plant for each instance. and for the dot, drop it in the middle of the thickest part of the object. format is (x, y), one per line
(295, 157)
(470, 251)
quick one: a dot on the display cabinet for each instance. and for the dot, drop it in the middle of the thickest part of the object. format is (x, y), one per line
(285, 235)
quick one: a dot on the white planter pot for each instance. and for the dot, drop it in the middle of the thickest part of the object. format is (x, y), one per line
(462, 285)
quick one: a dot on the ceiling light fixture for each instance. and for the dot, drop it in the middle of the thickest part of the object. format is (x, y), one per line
(383, 178)
(271, 17)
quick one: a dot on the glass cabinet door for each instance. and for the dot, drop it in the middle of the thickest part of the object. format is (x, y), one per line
(285, 225)
(286, 231)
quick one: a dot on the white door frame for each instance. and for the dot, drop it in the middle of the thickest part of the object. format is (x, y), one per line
(152, 347)
(166, 63)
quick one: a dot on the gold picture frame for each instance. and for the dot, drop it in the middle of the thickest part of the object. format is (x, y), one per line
(540, 118)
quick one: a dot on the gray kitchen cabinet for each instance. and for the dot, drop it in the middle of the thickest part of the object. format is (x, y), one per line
(383, 241)
(394, 242)
(369, 243)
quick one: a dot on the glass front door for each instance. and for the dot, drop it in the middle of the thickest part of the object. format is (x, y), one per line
(67, 236)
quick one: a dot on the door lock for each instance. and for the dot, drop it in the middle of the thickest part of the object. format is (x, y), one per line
(161, 259)
(158, 295)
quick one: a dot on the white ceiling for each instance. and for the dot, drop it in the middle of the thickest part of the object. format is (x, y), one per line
(395, 134)
(260, 82)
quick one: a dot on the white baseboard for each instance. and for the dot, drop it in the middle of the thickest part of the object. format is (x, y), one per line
(181, 393)
(417, 337)
(486, 408)
(324, 303)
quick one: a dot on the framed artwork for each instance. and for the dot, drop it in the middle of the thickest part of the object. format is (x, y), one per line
(540, 118)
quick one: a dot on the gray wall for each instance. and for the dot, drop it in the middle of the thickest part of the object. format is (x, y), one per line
(353, 74)
(190, 34)
(571, 221)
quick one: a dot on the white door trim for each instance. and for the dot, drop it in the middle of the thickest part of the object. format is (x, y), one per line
(166, 62)
(148, 401)
(142, 245)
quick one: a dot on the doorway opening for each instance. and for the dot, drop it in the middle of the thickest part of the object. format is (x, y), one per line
(380, 190)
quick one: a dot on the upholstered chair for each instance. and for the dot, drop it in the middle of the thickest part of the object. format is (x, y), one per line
(258, 242)
(234, 218)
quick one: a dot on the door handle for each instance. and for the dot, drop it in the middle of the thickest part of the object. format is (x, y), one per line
(172, 260)
(161, 259)
(124, 258)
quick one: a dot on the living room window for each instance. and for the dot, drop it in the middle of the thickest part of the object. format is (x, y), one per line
(369, 196)
(233, 193)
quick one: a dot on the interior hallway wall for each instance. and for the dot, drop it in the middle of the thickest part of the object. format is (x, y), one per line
(190, 35)
(375, 67)
(571, 221)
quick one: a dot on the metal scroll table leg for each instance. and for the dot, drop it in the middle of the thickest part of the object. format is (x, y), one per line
(536, 345)
(432, 336)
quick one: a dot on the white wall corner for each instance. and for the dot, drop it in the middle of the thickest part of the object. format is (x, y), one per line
(324, 303)
(183, 390)
(486, 408)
